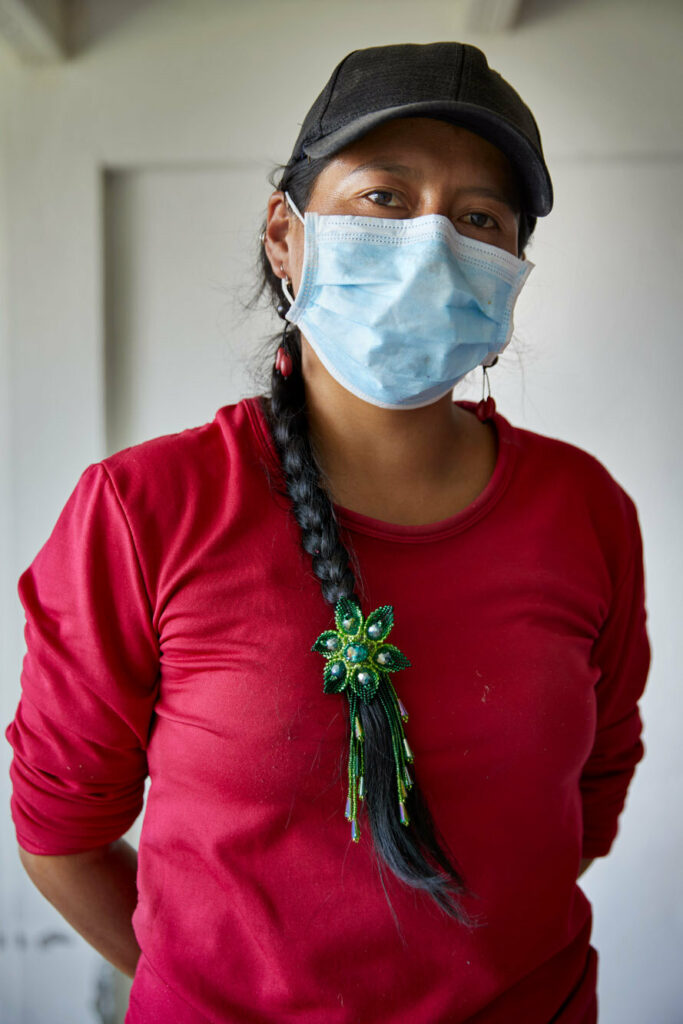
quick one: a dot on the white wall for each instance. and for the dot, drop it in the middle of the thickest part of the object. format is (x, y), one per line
(220, 88)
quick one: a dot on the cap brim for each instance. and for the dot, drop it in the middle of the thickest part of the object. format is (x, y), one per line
(535, 180)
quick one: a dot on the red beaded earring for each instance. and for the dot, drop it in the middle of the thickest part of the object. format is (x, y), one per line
(487, 406)
(283, 360)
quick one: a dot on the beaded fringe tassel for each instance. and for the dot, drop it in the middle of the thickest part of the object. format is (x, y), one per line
(359, 662)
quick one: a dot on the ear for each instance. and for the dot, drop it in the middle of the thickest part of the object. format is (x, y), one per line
(277, 235)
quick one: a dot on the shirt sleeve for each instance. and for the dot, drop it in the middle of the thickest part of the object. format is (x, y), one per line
(622, 653)
(89, 679)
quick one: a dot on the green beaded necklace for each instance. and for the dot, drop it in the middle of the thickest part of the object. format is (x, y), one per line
(359, 662)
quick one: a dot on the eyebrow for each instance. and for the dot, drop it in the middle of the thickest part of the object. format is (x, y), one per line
(413, 172)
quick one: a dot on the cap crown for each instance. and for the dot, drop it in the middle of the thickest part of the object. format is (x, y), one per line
(448, 80)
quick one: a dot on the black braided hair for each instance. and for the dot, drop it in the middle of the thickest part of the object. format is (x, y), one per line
(417, 855)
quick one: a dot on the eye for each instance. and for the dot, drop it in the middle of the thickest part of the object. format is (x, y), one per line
(383, 193)
(486, 216)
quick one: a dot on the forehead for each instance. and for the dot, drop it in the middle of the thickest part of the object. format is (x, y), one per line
(426, 149)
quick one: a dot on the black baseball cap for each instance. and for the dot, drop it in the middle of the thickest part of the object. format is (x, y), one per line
(448, 81)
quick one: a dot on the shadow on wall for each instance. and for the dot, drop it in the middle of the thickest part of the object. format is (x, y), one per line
(536, 10)
(88, 21)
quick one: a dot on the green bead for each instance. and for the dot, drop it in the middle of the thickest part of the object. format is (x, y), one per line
(364, 683)
(348, 617)
(356, 652)
(379, 623)
(389, 658)
(334, 677)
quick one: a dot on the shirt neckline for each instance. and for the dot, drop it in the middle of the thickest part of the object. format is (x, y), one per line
(357, 522)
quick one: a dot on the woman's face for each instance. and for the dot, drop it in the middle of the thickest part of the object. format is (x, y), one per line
(407, 168)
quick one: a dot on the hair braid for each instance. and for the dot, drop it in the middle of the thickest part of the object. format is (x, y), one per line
(417, 854)
(310, 503)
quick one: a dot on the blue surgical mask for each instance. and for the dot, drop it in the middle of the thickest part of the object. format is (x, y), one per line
(398, 311)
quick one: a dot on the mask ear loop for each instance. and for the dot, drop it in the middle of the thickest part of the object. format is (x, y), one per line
(286, 292)
(487, 406)
(283, 360)
(285, 284)
(294, 207)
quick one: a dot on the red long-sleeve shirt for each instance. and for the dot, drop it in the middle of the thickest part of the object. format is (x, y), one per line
(170, 617)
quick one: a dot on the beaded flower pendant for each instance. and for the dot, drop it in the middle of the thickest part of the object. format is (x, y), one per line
(359, 662)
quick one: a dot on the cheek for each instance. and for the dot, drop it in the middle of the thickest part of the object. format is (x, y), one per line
(313, 371)
(508, 237)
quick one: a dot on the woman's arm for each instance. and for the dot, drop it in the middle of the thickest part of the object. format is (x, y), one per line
(585, 863)
(90, 680)
(96, 893)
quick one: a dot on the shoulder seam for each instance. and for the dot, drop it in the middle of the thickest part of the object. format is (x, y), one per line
(119, 502)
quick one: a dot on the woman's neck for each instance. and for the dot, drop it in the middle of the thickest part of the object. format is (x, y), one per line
(416, 465)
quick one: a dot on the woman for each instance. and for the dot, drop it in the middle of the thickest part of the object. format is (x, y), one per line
(249, 610)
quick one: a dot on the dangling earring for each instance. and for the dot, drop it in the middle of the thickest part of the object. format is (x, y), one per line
(487, 406)
(283, 360)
